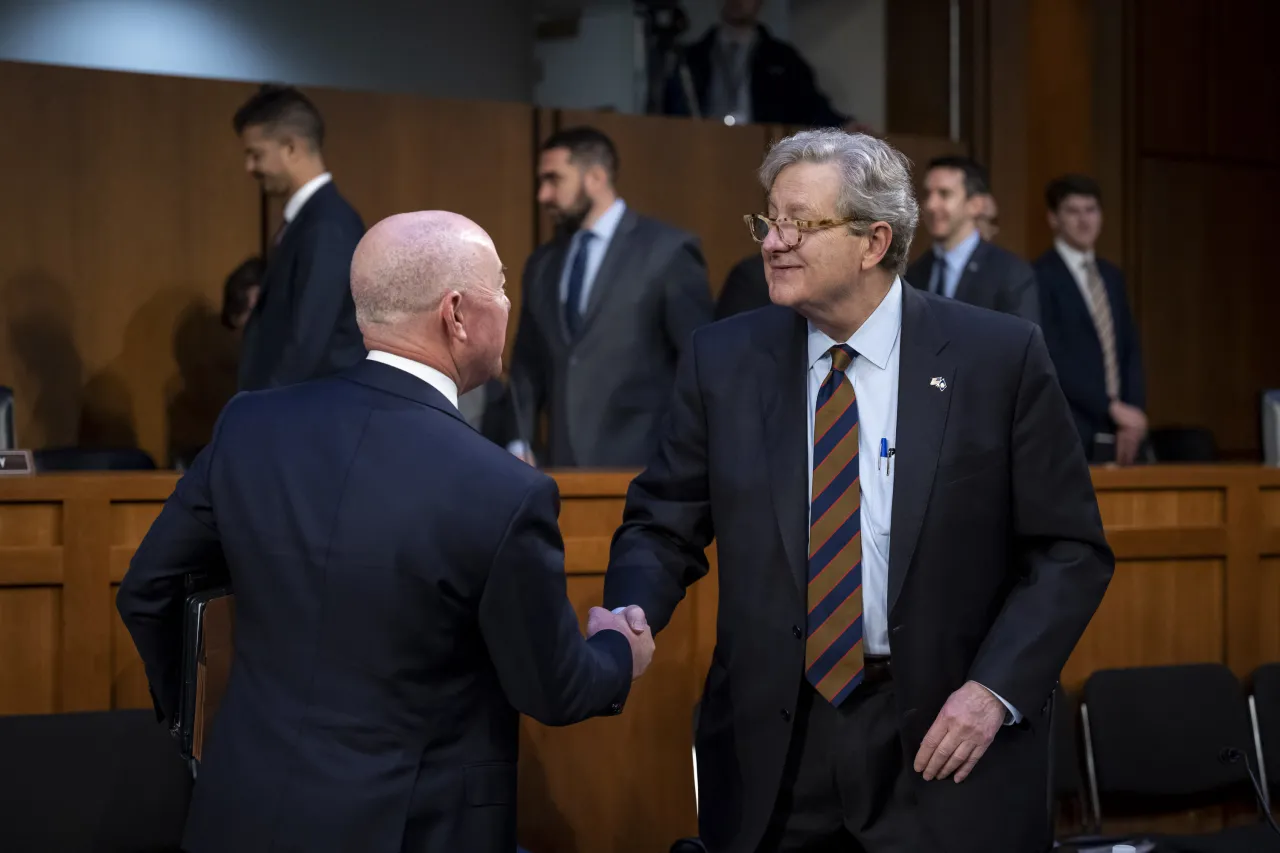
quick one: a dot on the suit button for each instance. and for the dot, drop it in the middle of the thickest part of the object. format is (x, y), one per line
(898, 629)
(615, 708)
(573, 360)
(795, 630)
(786, 715)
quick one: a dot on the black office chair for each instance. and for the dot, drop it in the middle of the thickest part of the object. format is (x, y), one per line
(92, 459)
(103, 781)
(1264, 705)
(1156, 741)
(8, 440)
(1183, 444)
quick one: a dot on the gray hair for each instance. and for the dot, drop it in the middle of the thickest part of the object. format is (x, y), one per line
(875, 182)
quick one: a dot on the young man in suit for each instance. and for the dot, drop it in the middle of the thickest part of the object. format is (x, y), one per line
(304, 324)
(1087, 324)
(909, 543)
(962, 265)
(399, 583)
(607, 308)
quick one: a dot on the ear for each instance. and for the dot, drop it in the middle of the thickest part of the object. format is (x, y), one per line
(451, 315)
(878, 241)
(1052, 218)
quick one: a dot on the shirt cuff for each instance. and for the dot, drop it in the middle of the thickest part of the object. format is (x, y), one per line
(1012, 718)
(518, 448)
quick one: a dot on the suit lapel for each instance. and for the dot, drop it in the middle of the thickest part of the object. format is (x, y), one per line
(923, 404)
(972, 267)
(618, 257)
(783, 380)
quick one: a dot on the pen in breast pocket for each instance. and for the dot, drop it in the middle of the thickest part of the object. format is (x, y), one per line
(886, 456)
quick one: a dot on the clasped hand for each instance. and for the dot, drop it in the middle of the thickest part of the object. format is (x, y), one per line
(631, 623)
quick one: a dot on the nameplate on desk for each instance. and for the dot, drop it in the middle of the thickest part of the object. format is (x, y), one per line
(15, 462)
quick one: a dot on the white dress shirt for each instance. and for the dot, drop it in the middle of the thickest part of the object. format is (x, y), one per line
(874, 374)
(429, 375)
(303, 195)
(1077, 263)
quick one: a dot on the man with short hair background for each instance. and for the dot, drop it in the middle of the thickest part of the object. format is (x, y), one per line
(607, 308)
(962, 265)
(1088, 327)
(304, 324)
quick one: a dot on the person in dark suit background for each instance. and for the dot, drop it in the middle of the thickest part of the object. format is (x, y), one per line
(745, 288)
(962, 265)
(1088, 326)
(909, 545)
(303, 325)
(608, 306)
(740, 72)
(399, 583)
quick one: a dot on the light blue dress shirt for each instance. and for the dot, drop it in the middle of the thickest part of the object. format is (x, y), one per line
(954, 260)
(874, 374)
(604, 229)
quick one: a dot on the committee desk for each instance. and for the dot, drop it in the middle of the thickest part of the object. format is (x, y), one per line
(1197, 579)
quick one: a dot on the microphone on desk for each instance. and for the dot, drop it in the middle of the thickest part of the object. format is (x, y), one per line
(1230, 755)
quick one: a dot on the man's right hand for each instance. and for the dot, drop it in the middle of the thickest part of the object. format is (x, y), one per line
(1131, 429)
(631, 623)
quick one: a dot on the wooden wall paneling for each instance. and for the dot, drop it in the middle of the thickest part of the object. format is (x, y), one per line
(1008, 109)
(1112, 98)
(120, 226)
(1172, 45)
(698, 175)
(392, 153)
(918, 72)
(1242, 121)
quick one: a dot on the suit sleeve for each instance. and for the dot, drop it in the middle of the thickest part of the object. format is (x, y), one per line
(687, 295)
(1131, 368)
(659, 551)
(1061, 550)
(322, 288)
(1022, 296)
(182, 541)
(545, 667)
(527, 381)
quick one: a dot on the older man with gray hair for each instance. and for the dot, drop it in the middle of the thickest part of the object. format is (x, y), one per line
(399, 583)
(909, 544)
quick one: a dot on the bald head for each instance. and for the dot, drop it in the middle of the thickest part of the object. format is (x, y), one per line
(407, 263)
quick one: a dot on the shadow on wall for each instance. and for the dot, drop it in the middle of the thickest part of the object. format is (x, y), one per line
(206, 353)
(48, 376)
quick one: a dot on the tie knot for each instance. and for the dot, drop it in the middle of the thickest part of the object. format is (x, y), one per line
(842, 355)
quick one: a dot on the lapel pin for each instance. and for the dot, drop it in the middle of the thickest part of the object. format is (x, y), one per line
(939, 383)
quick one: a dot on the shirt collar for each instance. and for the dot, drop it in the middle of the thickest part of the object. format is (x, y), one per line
(303, 195)
(874, 339)
(427, 374)
(1072, 257)
(957, 257)
(608, 222)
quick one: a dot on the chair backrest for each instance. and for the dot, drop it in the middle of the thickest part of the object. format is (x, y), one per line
(1156, 737)
(8, 440)
(1266, 705)
(104, 781)
(1271, 427)
(93, 459)
(1183, 444)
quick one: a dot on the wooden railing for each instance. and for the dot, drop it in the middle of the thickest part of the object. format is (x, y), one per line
(1198, 579)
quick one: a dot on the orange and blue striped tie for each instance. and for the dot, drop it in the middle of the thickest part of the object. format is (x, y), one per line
(833, 650)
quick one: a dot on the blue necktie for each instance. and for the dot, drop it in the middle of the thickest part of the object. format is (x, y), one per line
(577, 279)
(939, 275)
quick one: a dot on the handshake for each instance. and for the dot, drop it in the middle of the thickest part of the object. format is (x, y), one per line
(630, 623)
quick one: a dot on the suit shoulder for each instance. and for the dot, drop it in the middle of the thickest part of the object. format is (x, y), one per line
(966, 323)
(666, 231)
(1008, 259)
(735, 335)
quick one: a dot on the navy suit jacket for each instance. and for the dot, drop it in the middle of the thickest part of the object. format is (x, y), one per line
(993, 278)
(304, 324)
(997, 558)
(400, 597)
(1075, 349)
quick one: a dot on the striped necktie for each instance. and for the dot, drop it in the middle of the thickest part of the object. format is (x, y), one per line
(1104, 325)
(833, 650)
